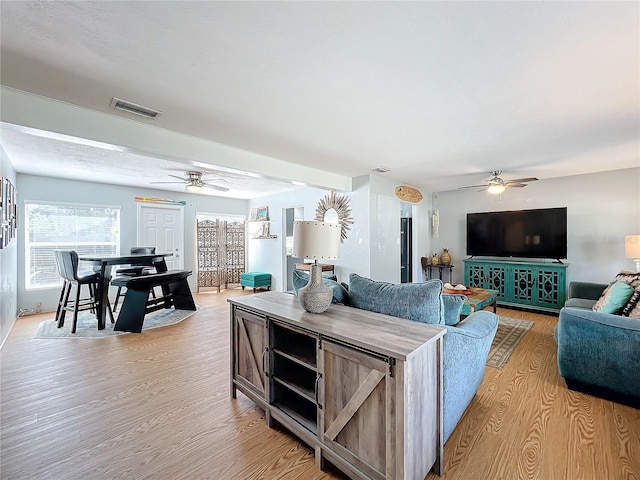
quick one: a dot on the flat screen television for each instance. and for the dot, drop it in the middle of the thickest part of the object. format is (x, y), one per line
(540, 233)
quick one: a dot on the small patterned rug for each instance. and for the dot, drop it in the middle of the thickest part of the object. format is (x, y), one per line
(88, 324)
(510, 332)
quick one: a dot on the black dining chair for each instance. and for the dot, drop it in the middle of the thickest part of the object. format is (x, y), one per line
(67, 262)
(134, 270)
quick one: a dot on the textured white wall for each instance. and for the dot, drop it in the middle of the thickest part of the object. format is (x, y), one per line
(8, 264)
(56, 190)
(601, 208)
(268, 255)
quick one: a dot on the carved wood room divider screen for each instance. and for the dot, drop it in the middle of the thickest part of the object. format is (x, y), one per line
(221, 252)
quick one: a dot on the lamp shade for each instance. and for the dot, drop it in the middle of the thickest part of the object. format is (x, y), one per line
(632, 246)
(316, 240)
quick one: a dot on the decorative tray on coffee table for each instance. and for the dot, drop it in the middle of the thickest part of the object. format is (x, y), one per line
(453, 291)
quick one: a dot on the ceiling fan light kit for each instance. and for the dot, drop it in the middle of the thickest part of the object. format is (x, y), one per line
(496, 189)
(193, 188)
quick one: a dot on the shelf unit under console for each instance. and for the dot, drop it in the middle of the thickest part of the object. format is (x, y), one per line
(364, 390)
(527, 284)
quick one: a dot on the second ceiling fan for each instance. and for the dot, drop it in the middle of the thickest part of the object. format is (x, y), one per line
(194, 182)
(497, 185)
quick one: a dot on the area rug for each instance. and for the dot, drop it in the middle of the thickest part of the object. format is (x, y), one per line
(510, 332)
(88, 324)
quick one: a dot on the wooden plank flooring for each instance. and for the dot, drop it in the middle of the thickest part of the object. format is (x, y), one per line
(156, 405)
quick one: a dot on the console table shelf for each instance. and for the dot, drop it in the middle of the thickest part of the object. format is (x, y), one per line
(364, 390)
(527, 284)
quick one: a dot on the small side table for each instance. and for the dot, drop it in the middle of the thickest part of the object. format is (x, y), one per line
(446, 268)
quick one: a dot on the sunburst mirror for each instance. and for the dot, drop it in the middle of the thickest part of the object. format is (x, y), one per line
(334, 208)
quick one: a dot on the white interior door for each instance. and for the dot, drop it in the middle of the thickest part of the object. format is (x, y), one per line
(162, 226)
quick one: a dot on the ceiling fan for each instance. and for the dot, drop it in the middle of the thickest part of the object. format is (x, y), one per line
(497, 185)
(194, 182)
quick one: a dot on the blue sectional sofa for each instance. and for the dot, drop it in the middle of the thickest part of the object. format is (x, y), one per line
(466, 343)
(598, 353)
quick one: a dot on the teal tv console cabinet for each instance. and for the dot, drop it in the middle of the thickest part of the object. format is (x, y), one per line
(535, 285)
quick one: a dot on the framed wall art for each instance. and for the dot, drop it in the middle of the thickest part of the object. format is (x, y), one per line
(8, 212)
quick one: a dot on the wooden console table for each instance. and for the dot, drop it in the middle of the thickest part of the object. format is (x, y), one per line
(364, 390)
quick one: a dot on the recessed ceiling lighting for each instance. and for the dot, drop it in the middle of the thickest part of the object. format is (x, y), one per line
(380, 169)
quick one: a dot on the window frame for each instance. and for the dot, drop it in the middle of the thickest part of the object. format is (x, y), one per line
(29, 245)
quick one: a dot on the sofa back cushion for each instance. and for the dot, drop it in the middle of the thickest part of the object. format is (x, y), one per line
(452, 305)
(420, 302)
(300, 278)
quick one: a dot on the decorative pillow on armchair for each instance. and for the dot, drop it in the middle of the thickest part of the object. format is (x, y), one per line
(614, 298)
(633, 280)
(632, 308)
(420, 302)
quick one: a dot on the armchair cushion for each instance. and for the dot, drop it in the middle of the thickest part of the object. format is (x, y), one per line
(599, 353)
(589, 291)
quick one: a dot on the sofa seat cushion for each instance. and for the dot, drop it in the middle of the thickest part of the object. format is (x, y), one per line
(420, 302)
(300, 278)
(580, 303)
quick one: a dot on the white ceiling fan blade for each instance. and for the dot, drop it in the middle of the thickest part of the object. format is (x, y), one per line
(522, 180)
(179, 178)
(472, 186)
(215, 179)
(215, 187)
(166, 182)
(517, 185)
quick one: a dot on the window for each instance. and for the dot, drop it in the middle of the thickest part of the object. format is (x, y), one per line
(87, 229)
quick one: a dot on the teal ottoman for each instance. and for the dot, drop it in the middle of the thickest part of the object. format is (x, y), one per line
(255, 280)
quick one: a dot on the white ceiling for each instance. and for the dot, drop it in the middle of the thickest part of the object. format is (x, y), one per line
(441, 93)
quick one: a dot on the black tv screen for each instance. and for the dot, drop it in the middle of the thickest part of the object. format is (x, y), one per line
(540, 233)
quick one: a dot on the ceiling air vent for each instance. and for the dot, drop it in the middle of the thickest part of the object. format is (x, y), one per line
(134, 108)
(380, 169)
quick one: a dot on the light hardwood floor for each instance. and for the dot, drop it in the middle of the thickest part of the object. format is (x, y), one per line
(156, 405)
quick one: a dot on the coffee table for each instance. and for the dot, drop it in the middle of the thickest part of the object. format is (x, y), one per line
(478, 299)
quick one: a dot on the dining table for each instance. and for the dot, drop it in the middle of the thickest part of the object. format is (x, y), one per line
(104, 263)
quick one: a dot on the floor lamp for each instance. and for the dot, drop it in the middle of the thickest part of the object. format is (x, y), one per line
(317, 241)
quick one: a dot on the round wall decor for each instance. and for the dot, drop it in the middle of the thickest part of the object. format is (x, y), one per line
(408, 194)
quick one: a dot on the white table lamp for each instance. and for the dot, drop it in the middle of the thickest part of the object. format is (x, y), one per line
(317, 241)
(632, 249)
